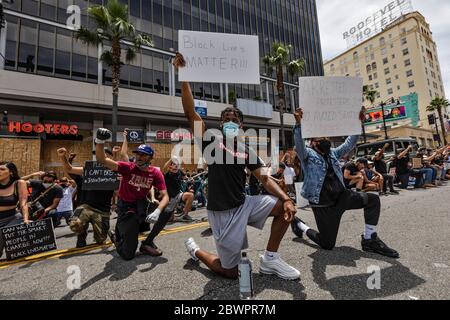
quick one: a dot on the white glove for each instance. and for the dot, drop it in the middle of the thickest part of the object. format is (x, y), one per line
(153, 217)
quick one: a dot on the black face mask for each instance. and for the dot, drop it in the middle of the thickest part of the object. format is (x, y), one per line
(324, 146)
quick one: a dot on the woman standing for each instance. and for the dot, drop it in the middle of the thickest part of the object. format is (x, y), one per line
(13, 195)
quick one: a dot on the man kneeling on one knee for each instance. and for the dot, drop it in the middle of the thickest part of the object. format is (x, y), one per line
(329, 198)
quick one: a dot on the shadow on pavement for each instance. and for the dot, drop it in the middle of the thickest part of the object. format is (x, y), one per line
(394, 279)
(219, 288)
(118, 269)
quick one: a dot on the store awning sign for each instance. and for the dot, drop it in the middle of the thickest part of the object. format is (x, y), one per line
(49, 128)
(219, 57)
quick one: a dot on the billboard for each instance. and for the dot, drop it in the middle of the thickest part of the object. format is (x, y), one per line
(390, 114)
(375, 23)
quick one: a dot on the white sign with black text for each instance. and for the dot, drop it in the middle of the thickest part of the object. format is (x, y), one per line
(219, 57)
(331, 106)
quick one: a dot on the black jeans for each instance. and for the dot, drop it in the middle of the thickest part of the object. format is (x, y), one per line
(388, 179)
(127, 229)
(328, 219)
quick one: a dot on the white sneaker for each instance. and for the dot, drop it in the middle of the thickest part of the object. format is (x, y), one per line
(279, 268)
(192, 248)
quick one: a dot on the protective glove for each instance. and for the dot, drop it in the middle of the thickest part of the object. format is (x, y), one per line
(153, 217)
(102, 135)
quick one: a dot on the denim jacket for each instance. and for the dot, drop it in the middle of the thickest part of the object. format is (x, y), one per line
(314, 166)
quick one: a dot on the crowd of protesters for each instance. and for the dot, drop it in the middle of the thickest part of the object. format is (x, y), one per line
(235, 195)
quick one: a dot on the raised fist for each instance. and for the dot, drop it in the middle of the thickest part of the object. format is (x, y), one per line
(62, 152)
(103, 135)
(179, 61)
(298, 115)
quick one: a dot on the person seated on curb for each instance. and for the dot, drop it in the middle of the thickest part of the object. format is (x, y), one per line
(402, 166)
(381, 168)
(374, 178)
(353, 176)
(229, 209)
(137, 180)
(329, 198)
(92, 206)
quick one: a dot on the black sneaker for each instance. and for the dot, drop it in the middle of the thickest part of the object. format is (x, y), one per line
(394, 192)
(81, 242)
(295, 228)
(375, 245)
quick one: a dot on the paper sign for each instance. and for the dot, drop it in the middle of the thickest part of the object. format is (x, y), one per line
(417, 163)
(331, 106)
(135, 136)
(301, 202)
(219, 57)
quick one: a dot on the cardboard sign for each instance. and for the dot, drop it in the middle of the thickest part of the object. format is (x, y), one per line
(26, 240)
(417, 163)
(97, 177)
(331, 106)
(135, 136)
(219, 57)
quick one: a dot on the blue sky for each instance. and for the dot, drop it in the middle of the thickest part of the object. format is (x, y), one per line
(336, 16)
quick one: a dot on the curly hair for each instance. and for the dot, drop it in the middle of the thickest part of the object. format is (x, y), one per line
(237, 112)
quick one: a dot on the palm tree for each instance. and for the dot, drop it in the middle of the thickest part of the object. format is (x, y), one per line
(437, 104)
(279, 60)
(369, 95)
(113, 27)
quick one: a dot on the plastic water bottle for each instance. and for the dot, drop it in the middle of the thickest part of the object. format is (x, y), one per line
(245, 278)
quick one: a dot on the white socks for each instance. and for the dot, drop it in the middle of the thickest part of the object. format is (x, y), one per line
(303, 227)
(368, 231)
(269, 256)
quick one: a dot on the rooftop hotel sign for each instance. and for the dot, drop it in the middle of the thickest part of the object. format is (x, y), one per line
(375, 23)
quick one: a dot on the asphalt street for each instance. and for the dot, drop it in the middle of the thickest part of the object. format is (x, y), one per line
(416, 223)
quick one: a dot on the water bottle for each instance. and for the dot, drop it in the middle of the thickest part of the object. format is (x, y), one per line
(245, 278)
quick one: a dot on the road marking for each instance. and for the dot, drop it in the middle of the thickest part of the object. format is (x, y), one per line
(69, 252)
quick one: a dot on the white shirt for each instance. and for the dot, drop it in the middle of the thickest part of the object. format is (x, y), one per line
(66, 204)
(289, 174)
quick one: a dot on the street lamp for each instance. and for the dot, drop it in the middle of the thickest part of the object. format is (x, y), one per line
(383, 104)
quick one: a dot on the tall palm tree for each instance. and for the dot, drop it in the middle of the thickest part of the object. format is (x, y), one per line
(279, 61)
(437, 104)
(113, 27)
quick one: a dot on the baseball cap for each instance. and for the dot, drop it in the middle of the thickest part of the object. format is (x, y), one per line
(145, 149)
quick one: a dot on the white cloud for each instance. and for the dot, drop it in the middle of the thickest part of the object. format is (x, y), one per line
(335, 16)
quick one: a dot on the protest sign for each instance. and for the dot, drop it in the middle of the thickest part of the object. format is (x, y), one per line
(301, 202)
(331, 106)
(97, 177)
(25, 240)
(135, 136)
(219, 57)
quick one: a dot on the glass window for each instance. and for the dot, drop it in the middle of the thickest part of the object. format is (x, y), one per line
(78, 66)
(409, 73)
(411, 84)
(45, 61)
(62, 64)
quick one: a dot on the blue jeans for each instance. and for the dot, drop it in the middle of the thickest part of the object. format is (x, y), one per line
(429, 174)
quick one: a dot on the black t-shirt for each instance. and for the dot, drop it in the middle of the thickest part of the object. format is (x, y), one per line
(98, 199)
(226, 180)
(56, 192)
(380, 166)
(401, 165)
(173, 183)
(353, 170)
(332, 187)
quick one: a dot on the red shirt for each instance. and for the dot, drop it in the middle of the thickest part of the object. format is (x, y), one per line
(136, 183)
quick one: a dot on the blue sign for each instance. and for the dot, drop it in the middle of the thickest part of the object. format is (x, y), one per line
(203, 112)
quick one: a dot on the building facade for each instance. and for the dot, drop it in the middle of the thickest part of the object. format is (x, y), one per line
(50, 78)
(397, 62)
